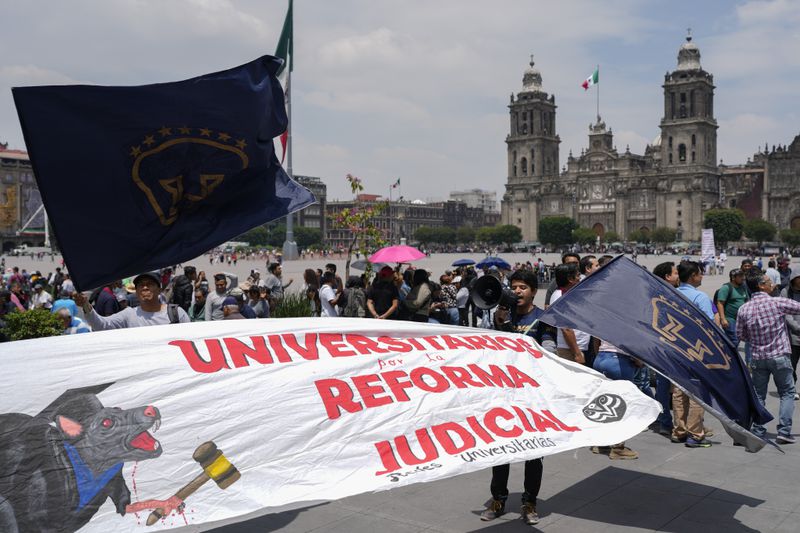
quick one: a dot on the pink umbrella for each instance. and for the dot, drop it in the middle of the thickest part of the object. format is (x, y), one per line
(396, 254)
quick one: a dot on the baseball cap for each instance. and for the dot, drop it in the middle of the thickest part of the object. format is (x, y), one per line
(795, 274)
(736, 272)
(155, 276)
(385, 271)
(230, 300)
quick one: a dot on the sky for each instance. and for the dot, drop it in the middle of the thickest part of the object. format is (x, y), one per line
(418, 90)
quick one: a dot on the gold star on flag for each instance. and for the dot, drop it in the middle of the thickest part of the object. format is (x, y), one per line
(224, 136)
(241, 144)
(135, 151)
(164, 131)
(149, 140)
(185, 131)
(205, 132)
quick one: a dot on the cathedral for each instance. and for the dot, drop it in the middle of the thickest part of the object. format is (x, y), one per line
(671, 185)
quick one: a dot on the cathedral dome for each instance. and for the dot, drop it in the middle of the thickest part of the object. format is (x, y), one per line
(657, 141)
(689, 55)
(532, 79)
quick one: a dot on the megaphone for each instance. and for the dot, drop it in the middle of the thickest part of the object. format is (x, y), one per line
(487, 293)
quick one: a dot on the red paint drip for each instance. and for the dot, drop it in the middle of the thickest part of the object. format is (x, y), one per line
(135, 491)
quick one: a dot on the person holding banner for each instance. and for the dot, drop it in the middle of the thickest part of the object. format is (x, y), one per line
(524, 321)
(150, 311)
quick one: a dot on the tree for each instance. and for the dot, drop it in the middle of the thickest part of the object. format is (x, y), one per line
(465, 234)
(727, 224)
(257, 236)
(611, 236)
(360, 221)
(759, 230)
(556, 230)
(664, 235)
(640, 236)
(584, 236)
(485, 234)
(791, 237)
(507, 234)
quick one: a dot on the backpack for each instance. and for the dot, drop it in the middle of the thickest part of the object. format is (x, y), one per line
(172, 313)
(356, 306)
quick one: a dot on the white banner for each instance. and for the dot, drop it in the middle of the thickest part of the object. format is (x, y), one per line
(709, 251)
(223, 419)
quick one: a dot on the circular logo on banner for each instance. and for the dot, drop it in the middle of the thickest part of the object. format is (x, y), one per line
(605, 408)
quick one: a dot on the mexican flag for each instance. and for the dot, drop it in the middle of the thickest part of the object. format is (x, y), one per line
(592, 80)
(396, 184)
(285, 51)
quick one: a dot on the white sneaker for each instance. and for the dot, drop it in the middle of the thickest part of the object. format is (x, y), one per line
(796, 396)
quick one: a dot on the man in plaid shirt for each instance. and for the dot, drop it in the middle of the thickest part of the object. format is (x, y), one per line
(761, 322)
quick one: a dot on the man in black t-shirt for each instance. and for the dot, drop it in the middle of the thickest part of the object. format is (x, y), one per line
(383, 298)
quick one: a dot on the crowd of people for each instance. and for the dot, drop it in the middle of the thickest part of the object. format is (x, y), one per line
(759, 308)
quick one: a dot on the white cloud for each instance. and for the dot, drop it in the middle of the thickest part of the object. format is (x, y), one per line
(367, 102)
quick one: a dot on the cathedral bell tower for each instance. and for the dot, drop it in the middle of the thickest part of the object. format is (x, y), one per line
(532, 152)
(689, 181)
(688, 129)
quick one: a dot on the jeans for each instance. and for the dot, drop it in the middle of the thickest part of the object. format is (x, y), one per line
(452, 313)
(780, 368)
(663, 396)
(615, 366)
(730, 331)
(641, 378)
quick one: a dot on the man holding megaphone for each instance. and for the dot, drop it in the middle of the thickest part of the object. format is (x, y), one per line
(515, 312)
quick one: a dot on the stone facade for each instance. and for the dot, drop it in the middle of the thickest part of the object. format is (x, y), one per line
(19, 201)
(672, 184)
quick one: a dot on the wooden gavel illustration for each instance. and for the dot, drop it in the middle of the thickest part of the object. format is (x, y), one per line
(215, 466)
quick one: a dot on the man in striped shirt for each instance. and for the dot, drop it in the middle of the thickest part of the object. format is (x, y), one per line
(761, 322)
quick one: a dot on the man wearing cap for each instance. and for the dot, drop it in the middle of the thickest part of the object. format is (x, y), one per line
(150, 312)
(730, 297)
(214, 299)
(230, 309)
(383, 297)
(792, 291)
(41, 299)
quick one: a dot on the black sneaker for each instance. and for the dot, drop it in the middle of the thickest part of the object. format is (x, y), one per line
(785, 439)
(529, 515)
(495, 509)
(677, 440)
(695, 443)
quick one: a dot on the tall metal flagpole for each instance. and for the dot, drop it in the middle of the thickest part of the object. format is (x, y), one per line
(597, 85)
(289, 245)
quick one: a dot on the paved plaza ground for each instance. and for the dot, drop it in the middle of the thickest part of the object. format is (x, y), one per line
(669, 488)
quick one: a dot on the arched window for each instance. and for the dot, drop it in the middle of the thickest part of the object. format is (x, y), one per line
(514, 160)
(694, 141)
(524, 164)
(669, 143)
(682, 153)
(533, 155)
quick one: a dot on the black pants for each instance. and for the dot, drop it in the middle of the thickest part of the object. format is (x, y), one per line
(532, 482)
(795, 358)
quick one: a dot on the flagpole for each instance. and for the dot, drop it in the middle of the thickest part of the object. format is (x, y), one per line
(597, 85)
(289, 245)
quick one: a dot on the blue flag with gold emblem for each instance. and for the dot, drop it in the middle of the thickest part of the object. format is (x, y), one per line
(624, 304)
(138, 178)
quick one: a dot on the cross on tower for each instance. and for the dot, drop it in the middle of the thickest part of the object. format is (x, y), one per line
(531, 63)
(688, 34)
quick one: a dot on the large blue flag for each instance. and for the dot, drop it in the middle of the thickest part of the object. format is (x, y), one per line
(137, 178)
(624, 304)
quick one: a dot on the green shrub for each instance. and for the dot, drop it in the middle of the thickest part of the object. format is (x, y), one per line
(293, 304)
(32, 325)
